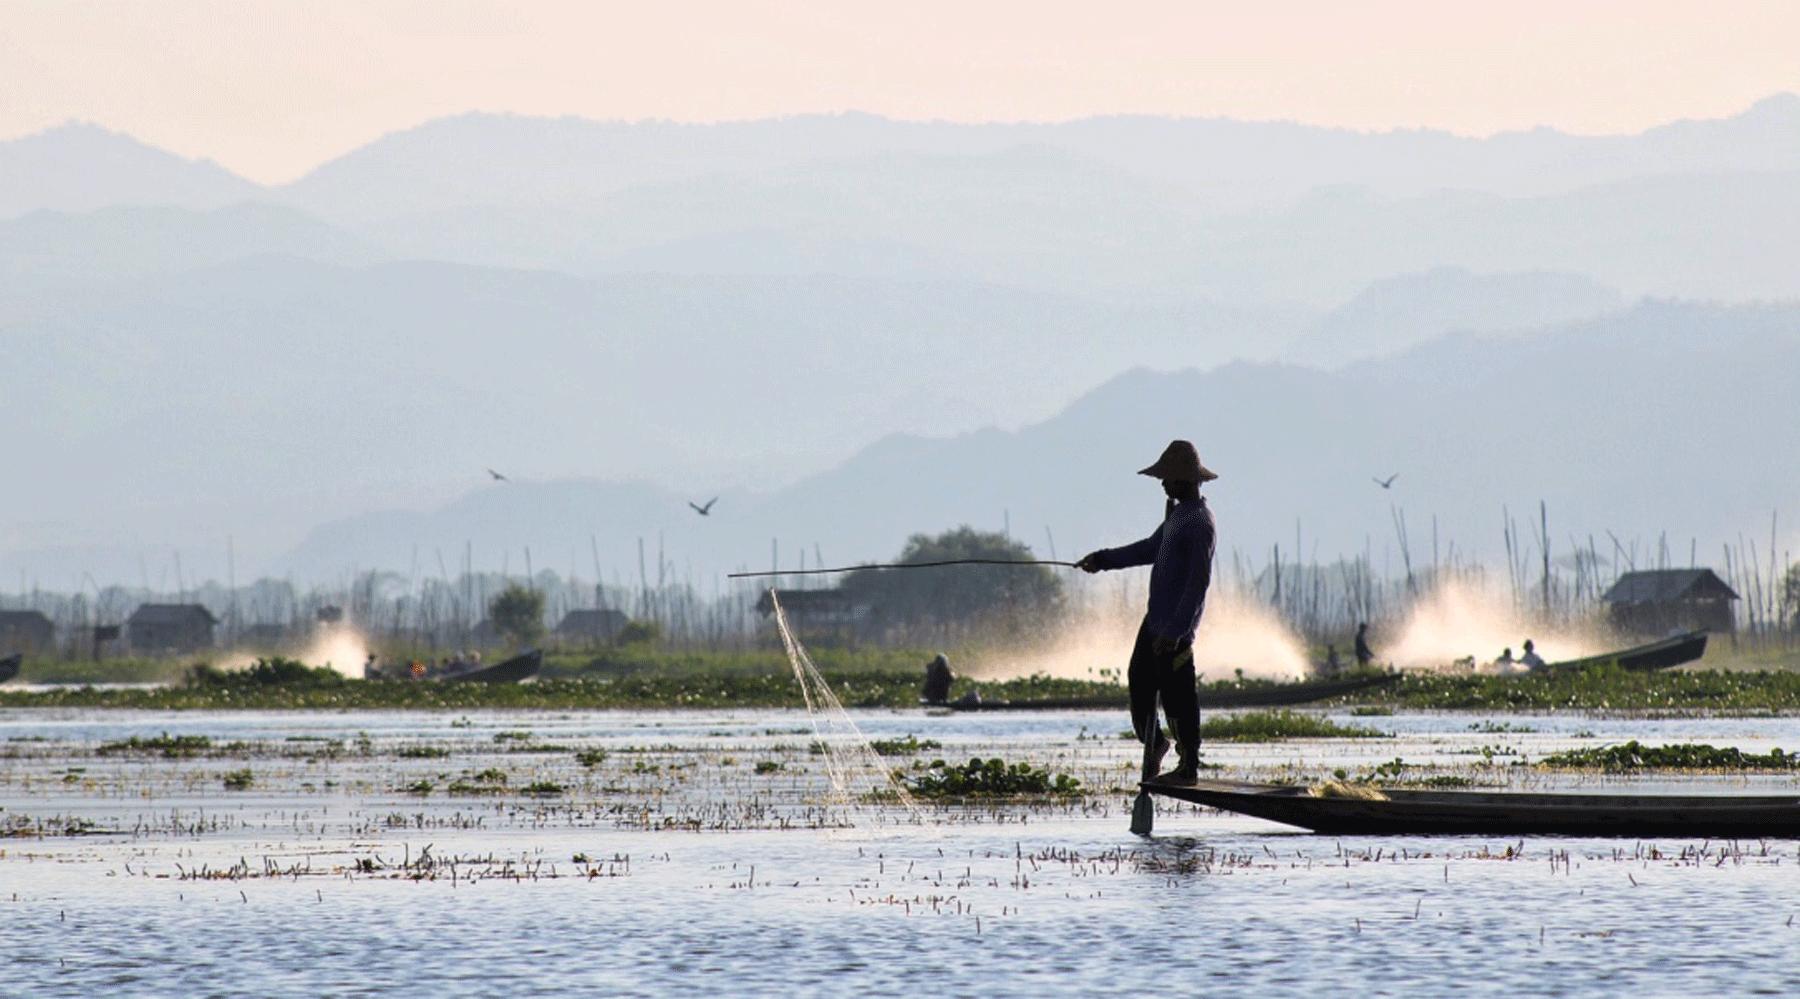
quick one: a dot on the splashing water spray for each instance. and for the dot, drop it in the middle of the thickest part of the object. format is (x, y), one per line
(849, 759)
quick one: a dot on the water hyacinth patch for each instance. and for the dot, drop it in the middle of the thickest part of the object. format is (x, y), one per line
(1634, 755)
(991, 778)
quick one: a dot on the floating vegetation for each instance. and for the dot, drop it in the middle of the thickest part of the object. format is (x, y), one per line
(516, 735)
(764, 766)
(590, 757)
(1633, 755)
(274, 671)
(1273, 726)
(166, 745)
(543, 787)
(422, 752)
(239, 780)
(911, 745)
(1371, 711)
(420, 787)
(1490, 727)
(992, 778)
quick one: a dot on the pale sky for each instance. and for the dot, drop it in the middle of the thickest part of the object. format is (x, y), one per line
(271, 89)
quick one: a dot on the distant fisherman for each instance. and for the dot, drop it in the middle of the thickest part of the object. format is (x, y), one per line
(1180, 552)
(1364, 654)
(1531, 660)
(937, 681)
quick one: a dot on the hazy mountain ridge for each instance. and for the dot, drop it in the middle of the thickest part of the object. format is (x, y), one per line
(1637, 441)
(80, 167)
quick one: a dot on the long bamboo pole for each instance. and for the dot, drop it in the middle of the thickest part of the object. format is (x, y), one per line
(905, 565)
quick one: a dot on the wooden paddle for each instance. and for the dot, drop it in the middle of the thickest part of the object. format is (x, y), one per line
(1143, 810)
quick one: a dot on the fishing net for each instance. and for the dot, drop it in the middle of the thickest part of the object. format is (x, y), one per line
(858, 774)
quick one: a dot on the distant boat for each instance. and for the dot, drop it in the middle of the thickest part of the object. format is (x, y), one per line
(9, 666)
(1500, 813)
(1218, 695)
(523, 666)
(520, 667)
(1643, 658)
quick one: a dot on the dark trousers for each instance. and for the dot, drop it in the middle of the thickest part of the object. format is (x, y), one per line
(1151, 674)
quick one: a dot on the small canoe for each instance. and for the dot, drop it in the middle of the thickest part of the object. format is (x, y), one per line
(9, 666)
(1643, 658)
(1498, 813)
(1220, 695)
(519, 667)
(1284, 694)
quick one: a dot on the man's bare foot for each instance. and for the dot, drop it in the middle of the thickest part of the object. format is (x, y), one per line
(1186, 775)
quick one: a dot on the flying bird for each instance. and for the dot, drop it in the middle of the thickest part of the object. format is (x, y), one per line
(704, 511)
(1387, 483)
(497, 476)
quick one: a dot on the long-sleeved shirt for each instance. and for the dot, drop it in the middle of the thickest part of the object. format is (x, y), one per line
(1180, 553)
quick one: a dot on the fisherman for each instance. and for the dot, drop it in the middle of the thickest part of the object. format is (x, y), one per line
(1180, 552)
(1333, 664)
(371, 670)
(937, 681)
(1531, 660)
(1364, 654)
(1506, 663)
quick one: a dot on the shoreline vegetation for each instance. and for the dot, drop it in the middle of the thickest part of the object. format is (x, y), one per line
(884, 678)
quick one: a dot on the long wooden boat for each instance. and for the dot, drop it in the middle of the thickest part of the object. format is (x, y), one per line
(9, 666)
(1668, 652)
(1266, 695)
(520, 667)
(1503, 813)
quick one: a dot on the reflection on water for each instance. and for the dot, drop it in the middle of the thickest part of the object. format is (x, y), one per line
(326, 876)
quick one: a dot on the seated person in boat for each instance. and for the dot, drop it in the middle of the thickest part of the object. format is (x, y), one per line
(937, 681)
(1332, 665)
(1531, 660)
(1506, 663)
(1364, 654)
(1180, 554)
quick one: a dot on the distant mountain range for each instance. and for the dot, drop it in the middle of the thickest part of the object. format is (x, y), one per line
(500, 159)
(1640, 423)
(853, 325)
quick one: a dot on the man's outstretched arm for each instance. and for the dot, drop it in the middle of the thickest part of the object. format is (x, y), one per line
(1137, 553)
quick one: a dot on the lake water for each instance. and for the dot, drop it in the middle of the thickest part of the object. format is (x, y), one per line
(674, 865)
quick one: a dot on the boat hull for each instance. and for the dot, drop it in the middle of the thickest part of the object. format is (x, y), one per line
(1669, 652)
(1505, 814)
(520, 667)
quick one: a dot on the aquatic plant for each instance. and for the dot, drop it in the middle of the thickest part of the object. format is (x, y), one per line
(908, 746)
(767, 766)
(239, 780)
(274, 671)
(591, 757)
(543, 787)
(422, 752)
(171, 746)
(991, 778)
(1273, 726)
(1633, 755)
